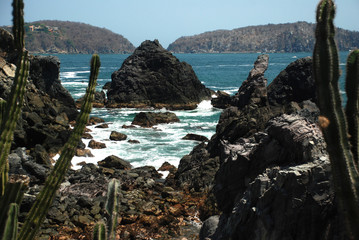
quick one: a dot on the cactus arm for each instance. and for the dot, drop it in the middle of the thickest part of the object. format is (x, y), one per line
(112, 206)
(14, 192)
(18, 24)
(10, 231)
(44, 199)
(99, 232)
(326, 75)
(352, 108)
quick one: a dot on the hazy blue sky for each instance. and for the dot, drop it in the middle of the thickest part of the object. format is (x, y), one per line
(167, 20)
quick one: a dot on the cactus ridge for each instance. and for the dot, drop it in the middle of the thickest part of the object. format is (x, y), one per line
(18, 24)
(99, 232)
(112, 207)
(12, 112)
(10, 231)
(53, 181)
(352, 108)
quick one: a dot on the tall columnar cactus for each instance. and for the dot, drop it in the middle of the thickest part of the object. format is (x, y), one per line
(11, 192)
(112, 207)
(340, 131)
(44, 199)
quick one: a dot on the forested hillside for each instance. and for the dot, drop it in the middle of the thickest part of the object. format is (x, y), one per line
(72, 37)
(290, 37)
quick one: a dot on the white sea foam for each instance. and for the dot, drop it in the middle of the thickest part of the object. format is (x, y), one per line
(157, 145)
(205, 104)
(73, 74)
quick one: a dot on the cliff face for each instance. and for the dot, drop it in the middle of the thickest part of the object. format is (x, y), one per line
(290, 37)
(72, 37)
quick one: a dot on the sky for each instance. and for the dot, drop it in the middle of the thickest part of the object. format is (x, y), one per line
(167, 20)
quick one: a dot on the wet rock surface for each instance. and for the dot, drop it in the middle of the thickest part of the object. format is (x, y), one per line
(153, 77)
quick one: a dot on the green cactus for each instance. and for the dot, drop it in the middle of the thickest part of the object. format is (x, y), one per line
(12, 191)
(352, 108)
(99, 232)
(333, 120)
(112, 207)
(44, 199)
(12, 113)
(18, 24)
(10, 231)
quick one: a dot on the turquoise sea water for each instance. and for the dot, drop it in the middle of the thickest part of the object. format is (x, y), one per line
(224, 72)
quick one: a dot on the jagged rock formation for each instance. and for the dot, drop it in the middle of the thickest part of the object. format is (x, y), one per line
(153, 77)
(267, 165)
(289, 37)
(72, 37)
(48, 107)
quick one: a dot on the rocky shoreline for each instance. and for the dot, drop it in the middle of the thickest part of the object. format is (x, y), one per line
(264, 174)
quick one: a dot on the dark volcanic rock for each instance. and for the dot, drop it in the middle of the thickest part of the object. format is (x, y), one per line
(222, 100)
(44, 72)
(152, 76)
(295, 83)
(99, 101)
(117, 136)
(196, 137)
(254, 89)
(149, 119)
(114, 162)
(96, 145)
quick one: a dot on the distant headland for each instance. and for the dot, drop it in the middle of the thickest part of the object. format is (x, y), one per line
(72, 37)
(288, 37)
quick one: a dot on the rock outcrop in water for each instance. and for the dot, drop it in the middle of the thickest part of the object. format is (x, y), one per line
(266, 167)
(153, 77)
(149, 119)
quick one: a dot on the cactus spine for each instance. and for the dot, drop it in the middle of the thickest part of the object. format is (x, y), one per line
(44, 199)
(112, 207)
(326, 74)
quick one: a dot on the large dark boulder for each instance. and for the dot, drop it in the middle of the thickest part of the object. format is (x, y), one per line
(149, 119)
(295, 83)
(114, 162)
(152, 76)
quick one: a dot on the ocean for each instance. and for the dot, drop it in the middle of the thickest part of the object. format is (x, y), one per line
(164, 142)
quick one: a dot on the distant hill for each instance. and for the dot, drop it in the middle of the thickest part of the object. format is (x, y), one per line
(289, 37)
(73, 37)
